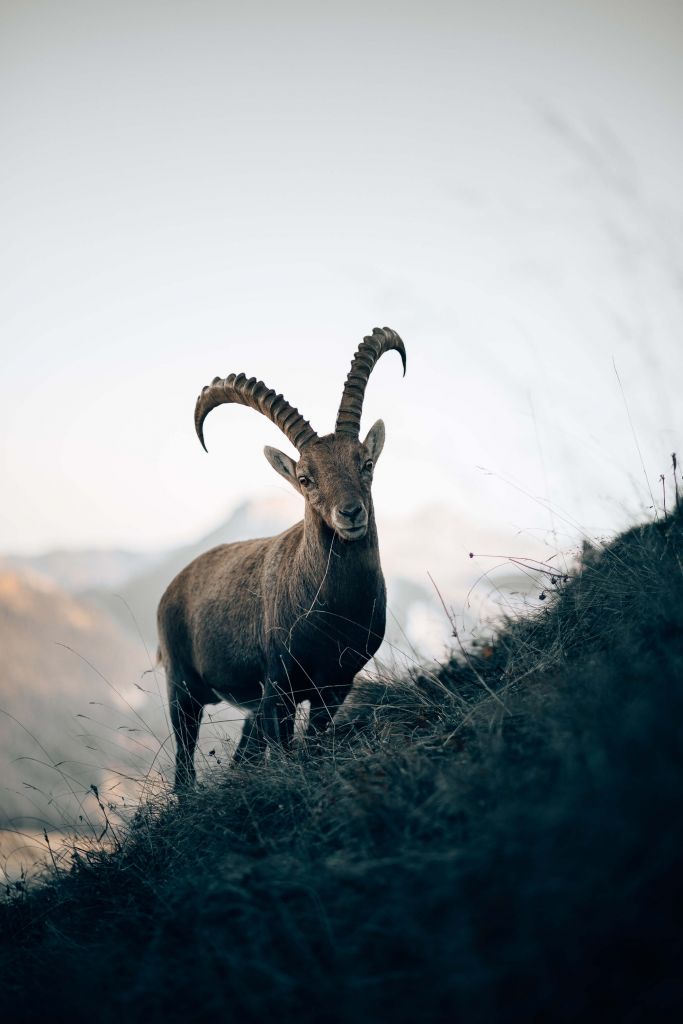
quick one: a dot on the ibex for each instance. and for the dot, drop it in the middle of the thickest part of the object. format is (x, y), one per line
(267, 624)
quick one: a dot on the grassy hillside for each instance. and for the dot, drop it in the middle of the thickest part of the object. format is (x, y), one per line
(499, 841)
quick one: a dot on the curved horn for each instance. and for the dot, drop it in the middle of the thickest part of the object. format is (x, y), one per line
(254, 393)
(382, 340)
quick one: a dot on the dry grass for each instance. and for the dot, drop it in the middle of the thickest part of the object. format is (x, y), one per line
(500, 840)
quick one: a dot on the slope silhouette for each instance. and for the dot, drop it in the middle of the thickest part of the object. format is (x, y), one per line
(498, 840)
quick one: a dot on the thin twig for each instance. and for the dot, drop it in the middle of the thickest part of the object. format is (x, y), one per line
(451, 618)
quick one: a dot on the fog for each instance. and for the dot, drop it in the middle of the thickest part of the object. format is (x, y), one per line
(190, 191)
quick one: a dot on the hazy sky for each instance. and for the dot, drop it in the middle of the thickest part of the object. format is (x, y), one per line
(192, 189)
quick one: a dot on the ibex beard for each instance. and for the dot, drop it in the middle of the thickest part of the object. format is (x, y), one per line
(268, 624)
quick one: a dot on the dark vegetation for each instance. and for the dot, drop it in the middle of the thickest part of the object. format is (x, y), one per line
(499, 841)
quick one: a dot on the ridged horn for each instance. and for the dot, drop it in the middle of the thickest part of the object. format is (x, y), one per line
(257, 395)
(382, 340)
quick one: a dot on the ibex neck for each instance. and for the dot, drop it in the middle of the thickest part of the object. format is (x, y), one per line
(320, 542)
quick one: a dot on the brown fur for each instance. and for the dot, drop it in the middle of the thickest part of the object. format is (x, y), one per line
(266, 624)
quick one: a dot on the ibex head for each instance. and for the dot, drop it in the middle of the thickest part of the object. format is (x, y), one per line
(334, 472)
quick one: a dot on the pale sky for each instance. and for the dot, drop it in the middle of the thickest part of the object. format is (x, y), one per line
(194, 189)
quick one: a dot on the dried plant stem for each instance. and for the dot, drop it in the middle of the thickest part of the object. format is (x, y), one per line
(674, 463)
(450, 615)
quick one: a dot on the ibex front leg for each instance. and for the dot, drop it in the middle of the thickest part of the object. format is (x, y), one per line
(277, 714)
(252, 744)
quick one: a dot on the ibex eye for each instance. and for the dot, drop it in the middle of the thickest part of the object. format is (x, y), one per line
(304, 481)
(369, 464)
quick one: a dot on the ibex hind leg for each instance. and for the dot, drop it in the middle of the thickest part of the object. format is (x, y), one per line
(186, 715)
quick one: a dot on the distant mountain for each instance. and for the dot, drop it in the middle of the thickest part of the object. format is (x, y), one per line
(83, 569)
(63, 658)
(135, 603)
(467, 565)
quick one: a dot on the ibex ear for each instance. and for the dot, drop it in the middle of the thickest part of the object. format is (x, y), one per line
(282, 464)
(374, 442)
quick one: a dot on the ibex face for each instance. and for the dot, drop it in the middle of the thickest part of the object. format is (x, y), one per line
(334, 474)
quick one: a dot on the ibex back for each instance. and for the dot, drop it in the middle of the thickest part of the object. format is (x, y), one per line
(266, 624)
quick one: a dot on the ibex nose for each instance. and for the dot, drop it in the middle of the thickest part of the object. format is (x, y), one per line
(351, 511)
